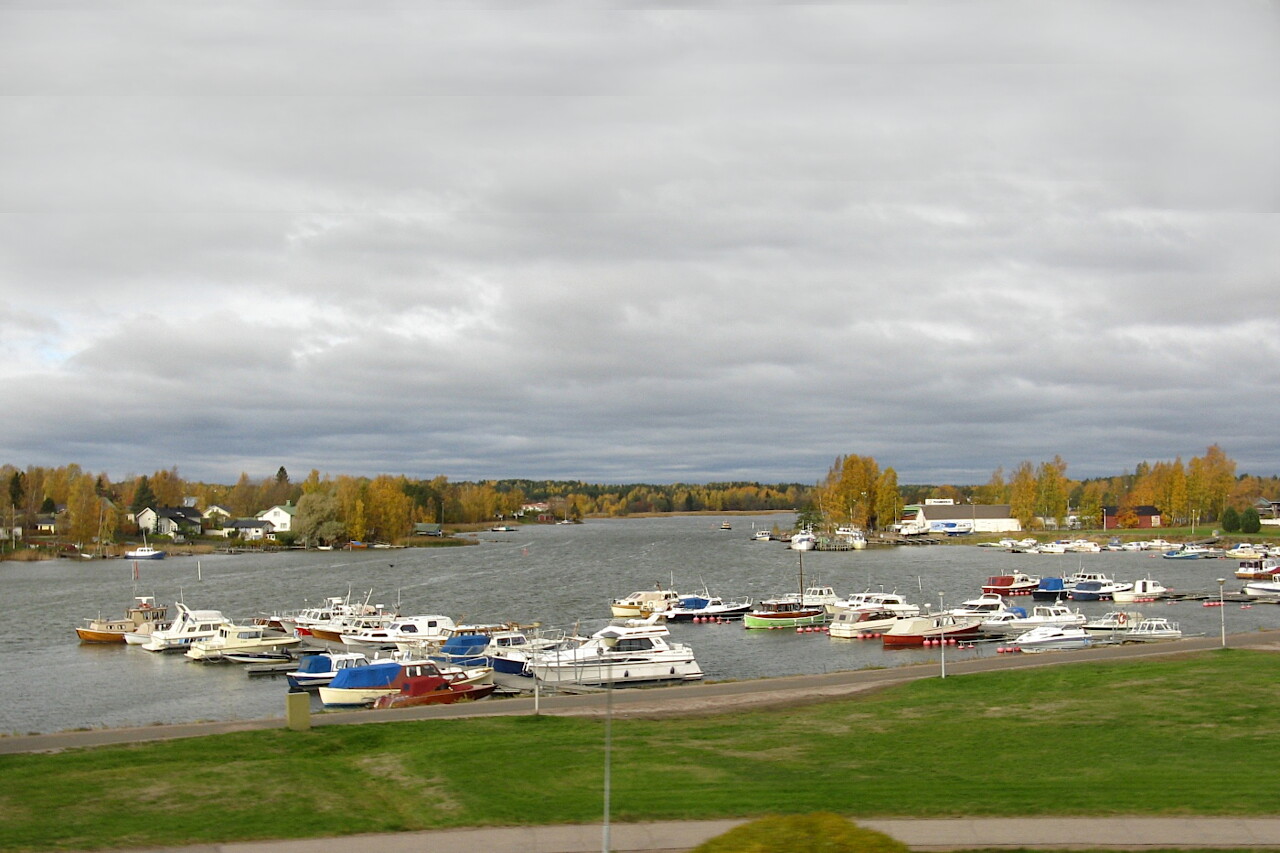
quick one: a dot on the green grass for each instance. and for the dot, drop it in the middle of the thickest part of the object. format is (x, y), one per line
(1177, 736)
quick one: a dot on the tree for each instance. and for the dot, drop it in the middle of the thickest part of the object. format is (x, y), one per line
(1250, 522)
(83, 510)
(17, 488)
(1230, 520)
(315, 517)
(1022, 495)
(1051, 490)
(143, 497)
(888, 500)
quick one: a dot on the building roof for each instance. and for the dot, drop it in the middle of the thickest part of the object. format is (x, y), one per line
(1145, 509)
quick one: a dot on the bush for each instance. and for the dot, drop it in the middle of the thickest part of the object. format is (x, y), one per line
(820, 832)
(1230, 520)
(1250, 522)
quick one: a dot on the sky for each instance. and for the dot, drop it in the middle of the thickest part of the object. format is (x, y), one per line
(652, 242)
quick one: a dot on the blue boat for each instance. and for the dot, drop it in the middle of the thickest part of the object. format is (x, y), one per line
(319, 670)
(361, 685)
(1050, 589)
(464, 650)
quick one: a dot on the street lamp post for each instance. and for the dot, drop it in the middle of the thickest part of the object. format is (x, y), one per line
(609, 639)
(1222, 612)
(942, 637)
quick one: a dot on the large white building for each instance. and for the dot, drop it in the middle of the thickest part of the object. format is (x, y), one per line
(947, 517)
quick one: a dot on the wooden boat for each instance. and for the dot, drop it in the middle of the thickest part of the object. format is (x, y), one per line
(142, 617)
(433, 690)
(790, 611)
(640, 604)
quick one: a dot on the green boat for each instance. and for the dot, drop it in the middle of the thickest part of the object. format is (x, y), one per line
(784, 613)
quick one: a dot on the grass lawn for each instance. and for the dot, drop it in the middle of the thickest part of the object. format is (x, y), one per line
(1180, 736)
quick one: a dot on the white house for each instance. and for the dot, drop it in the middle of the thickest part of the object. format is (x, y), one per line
(280, 516)
(170, 520)
(248, 529)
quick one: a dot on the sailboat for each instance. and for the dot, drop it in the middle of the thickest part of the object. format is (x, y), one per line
(788, 611)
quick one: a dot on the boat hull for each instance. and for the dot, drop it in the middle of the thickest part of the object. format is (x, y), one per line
(452, 696)
(801, 619)
(89, 635)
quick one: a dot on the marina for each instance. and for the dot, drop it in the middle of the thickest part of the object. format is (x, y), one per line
(556, 575)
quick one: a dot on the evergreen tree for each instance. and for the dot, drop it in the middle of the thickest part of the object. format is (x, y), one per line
(1230, 520)
(143, 496)
(1250, 522)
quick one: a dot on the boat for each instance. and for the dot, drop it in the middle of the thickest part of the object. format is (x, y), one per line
(1097, 590)
(1051, 589)
(1011, 584)
(706, 606)
(360, 686)
(1053, 638)
(724, 525)
(350, 623)
(1193, 552)
(420, 631)
(632, 651)
(1153, 630)
(144, 551)
(762, 535)
(1011, 623)
(1254, 570)
(853, 537)
(509, 650)
(432, 689)
(503, 528)
(785, 612)
(1263, 588)
(242, 640)
(643, 603)
(315, 671)
(868, 600)
(984, 606)
(914, 630)
(803, 540)
(850, 624)
(817, 596)
(140, 619)
(1113, 623)
(1146, 589)
(1246, 551)
(187, 627)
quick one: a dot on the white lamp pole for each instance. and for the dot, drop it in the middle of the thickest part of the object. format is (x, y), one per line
(942, 637)
(610, 641)
(1222, 612)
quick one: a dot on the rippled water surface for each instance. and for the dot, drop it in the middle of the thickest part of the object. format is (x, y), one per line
(560, 576)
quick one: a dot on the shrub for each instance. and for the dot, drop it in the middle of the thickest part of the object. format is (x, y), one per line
(1250, 522)
(1230, 520)
(820, 832)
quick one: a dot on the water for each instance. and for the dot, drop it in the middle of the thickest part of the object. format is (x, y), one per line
(558, 575)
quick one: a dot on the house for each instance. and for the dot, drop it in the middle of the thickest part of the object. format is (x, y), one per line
(1267, 508)
(535, 508)
(1146, 517)
(280, 516)
(951, 518)
(216, 514)
(248, 529)
(426, 528)
(170, 520)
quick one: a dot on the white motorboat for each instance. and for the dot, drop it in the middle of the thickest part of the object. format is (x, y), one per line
(983, 607)
(805, 540)
(1053, 638)
(1113, 623)
(850, 624)
(627, 652)
(315, 671)
(890, 601)
(144, 551)
(1258, 570)
(762, 535)
(853, 537)
(1146, 589)
(645, 602)
(240, 639)
(1153, 630)
(1103, 589)
(1014, 623)
(402, 631)
(188, 627)
(706, 606)
(1263, 588)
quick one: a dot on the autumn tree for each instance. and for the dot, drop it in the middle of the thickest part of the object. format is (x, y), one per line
(318, 518)
(1022, 495)
(84, 511)
(388, 510)
(1051, 490)
(888, 501)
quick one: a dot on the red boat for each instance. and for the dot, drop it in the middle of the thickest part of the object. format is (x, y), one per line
(432, 689)
(914, 630)
(1014, 584)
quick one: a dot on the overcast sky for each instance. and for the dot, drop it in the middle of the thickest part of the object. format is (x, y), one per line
(652, 242)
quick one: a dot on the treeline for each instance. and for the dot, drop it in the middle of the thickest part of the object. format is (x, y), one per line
(90, 507)
(1205, 489)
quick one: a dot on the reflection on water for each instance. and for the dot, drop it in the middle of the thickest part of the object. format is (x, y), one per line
(561, 576)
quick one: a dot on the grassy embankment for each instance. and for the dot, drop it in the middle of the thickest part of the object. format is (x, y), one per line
(1181, 736)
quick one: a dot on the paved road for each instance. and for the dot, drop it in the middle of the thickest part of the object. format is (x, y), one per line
(925, 835)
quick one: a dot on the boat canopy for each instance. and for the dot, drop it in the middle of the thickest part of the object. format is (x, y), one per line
(373, 675)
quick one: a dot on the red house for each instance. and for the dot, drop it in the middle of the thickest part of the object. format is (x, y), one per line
(1147, 516)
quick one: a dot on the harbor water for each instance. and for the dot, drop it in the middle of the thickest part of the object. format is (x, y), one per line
(557, 575)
